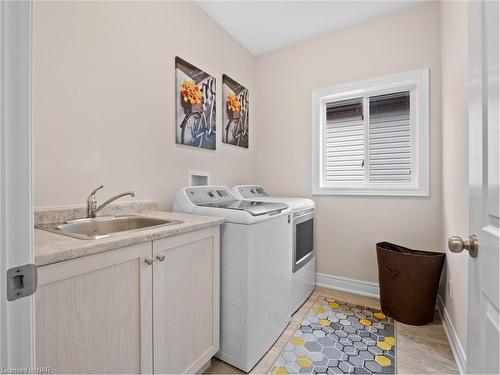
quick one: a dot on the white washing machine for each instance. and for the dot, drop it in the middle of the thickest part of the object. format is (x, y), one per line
(303, 265)
(255, 278)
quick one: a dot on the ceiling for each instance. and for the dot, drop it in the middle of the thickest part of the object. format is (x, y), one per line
(261, 26)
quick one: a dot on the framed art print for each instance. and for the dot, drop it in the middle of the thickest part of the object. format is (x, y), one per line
(235, 113)
(195, 106)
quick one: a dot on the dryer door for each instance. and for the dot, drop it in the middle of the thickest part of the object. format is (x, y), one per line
(303, 239)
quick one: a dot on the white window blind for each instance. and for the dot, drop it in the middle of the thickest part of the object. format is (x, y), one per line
(344, 144)
(390, 138)
(371, 137)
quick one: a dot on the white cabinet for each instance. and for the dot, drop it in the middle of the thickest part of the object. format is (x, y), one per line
(102, 313)
(186, 302)
(94, 314)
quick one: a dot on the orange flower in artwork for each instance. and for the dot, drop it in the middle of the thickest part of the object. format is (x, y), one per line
(191, 92)
(233, 102)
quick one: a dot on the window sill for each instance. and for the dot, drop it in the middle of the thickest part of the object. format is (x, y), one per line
(371, 192)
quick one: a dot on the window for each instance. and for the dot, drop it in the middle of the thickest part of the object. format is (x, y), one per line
(371, 137)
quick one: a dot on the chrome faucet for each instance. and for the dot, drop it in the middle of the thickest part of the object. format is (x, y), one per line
(93, 209)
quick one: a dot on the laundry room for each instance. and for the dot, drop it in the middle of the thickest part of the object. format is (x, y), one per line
(231, 187)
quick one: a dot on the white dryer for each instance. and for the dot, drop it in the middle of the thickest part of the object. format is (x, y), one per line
(303, 265)
(255, 278)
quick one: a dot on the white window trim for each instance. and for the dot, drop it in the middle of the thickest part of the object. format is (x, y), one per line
(417, 81)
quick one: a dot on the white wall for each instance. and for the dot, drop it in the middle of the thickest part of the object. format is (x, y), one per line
(104, 99)
(349, 227)
(454, 55)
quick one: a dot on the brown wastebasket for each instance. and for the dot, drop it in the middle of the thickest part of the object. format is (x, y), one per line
(409, 281)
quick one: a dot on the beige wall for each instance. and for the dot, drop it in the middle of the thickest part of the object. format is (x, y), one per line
(104, 113)
(349, 227)
(454, 55)
(104, 101)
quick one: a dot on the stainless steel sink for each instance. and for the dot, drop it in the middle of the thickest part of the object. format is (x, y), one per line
(100, 227)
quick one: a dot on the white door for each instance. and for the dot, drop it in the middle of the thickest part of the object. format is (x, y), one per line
(186, 300)
(17, 317)
(483, 317)
(94, 313)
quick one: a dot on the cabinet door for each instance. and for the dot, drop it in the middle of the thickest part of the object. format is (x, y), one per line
(94, 314)
(186, 301)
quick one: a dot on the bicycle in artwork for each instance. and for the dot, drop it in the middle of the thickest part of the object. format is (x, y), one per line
(196, 106)
(235, 113)
(198, 124)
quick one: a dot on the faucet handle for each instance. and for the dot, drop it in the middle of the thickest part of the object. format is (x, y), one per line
(92, 202)
(95, 190)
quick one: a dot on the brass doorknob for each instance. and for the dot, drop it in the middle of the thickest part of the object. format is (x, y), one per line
(456, 245)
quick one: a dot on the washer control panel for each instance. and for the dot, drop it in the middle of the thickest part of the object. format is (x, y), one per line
(209, 194)
(252, 191)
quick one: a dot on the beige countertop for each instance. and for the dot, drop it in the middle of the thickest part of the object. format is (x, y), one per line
(52, 247)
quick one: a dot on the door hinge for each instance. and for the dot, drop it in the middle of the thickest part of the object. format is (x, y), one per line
(21, 281)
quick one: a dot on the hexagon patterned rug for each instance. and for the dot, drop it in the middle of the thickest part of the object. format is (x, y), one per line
(340, 338)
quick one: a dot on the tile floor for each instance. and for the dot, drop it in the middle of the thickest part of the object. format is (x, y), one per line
(422, 349)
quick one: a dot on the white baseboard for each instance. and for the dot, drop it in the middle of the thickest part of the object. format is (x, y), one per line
(205, 367)
(451, 333)
(345, 284)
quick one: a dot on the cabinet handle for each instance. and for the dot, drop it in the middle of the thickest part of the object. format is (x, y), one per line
(161, 258)
(148, 261)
